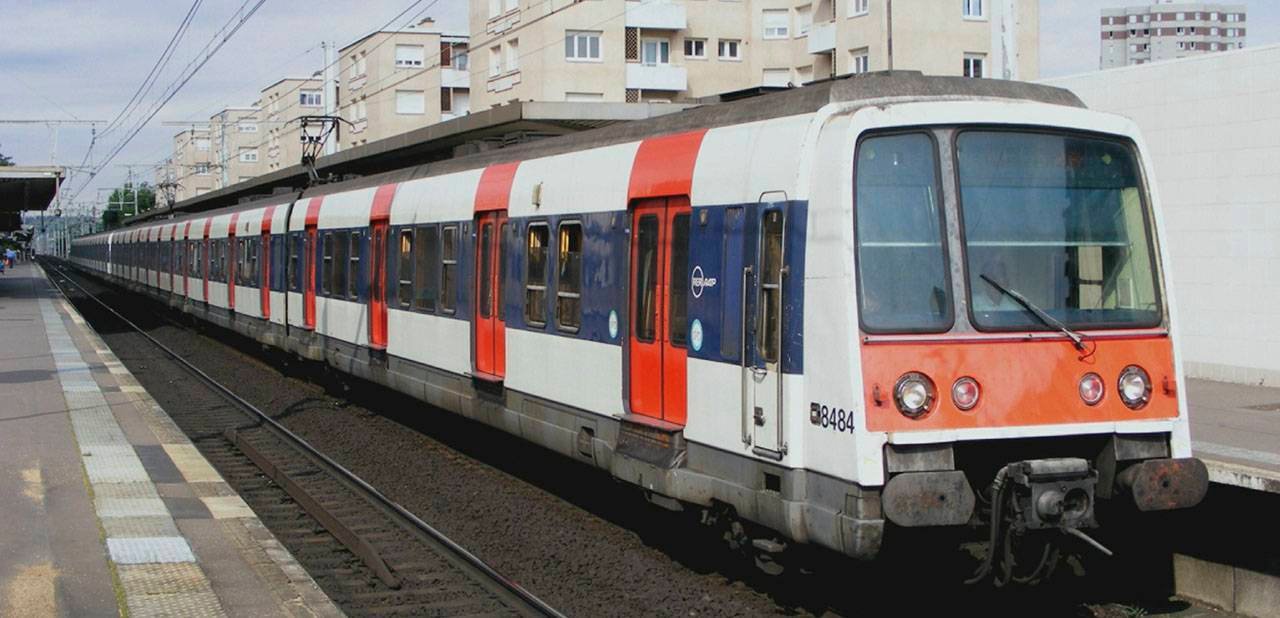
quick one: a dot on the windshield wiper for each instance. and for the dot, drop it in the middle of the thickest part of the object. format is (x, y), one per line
(1077, 340)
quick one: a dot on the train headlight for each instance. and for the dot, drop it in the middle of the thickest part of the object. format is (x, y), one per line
(965, 393)
(914, 394)
(1134, 387)
(1091, 388)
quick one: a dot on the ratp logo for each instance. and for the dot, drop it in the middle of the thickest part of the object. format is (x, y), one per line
(700, 282)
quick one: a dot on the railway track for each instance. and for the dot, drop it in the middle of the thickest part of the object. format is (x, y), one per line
(369, 554)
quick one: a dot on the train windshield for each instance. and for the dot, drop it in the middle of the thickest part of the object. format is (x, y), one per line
(902, 261)
(1059, 219)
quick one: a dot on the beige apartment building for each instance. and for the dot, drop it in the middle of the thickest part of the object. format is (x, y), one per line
(237, 140)
(191, 166)
(1168, 30)
(393, 81)
(667, 50)
(282, 103)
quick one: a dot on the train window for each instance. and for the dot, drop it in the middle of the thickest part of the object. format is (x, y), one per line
(903, 281)
(222, 260)
(426, 264)
(253, 274)
(297, 247)
(449, 269)
(1059, 219)
(535, 280)
(341, 255)
(326, 273)
(405, 271)
(569, 278)
(771, 228)
(353, 276)
(678, 289)
(486, 269)
(646, 278)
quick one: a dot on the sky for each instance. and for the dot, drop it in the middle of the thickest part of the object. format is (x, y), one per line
(84, 59)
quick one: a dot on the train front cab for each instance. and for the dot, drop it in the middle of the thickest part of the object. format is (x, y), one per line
(1017, 339)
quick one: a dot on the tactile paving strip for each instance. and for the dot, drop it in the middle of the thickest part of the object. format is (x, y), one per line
(126, 527)
(192, 605)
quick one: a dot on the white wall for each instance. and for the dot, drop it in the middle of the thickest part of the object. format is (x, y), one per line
(1213, 125)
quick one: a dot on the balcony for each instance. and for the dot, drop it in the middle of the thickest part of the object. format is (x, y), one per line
(656, 15)
(453, 78)
(822, 37)
(357, 82)
(657, 77)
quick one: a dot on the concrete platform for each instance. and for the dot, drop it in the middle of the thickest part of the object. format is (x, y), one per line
(107, 508)
(1235, 429)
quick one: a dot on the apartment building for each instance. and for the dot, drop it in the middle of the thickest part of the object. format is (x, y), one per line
(1168, 30)
(666, 50)
(192, 165)
(237, 141)
(282, 103)
(393, 81)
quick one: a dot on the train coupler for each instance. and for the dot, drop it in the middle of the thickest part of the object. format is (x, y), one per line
(1054, 493)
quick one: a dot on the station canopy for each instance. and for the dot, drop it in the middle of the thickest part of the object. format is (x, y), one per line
(25, 187)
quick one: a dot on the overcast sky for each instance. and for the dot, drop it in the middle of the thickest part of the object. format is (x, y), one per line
(84, 59)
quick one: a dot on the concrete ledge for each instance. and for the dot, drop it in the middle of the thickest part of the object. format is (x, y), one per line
(1238, 475)
(1234, 589)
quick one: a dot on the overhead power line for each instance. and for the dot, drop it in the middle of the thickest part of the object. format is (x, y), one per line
(156, 69)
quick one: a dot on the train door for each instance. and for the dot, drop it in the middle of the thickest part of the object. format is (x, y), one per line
(762, 366)
(309, 276)
(490, 329)
(264, 267)
(232, 271)
(378, 285)
(659, 307)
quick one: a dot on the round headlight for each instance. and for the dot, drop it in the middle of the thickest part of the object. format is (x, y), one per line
(914, 394)
(1091, 388)
(1134, 387)
(965, 393)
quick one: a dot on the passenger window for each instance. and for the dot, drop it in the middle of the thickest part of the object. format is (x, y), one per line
(326, 274)
(569, 278)
(353, 275)
(295, 262)
(646, 278)
(425, 271)
(678, 281)
(341, 255)
(405, 272)
(535, 281)
(254, 274)
(770, 286)
(449, 269)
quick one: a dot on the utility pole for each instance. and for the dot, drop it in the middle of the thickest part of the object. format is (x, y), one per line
(330, 92)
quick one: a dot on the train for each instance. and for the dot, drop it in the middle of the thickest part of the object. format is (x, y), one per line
(823, 317)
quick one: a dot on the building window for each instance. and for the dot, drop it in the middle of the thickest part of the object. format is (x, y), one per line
(973, 9)
(495, 61)
(569, 279)
(777, 78)
(461, 59)
(248, 155)
(202, 169)
(411, 102)
(1213, 32)
(1133, 19)
(1133, 48)
(495, 8)
(202, 143)
(449, 269)
(858, 7)
(581, 45)
(727, 49)
(310, 98)
(1181, 30)
(247, 127)
(655, 51)
(513, 55)
(695, 49)
(446, 99)
(535, 280)
(409, 55)
(776, 24)
(974, 65)
(859, 60)
(1213, 47)
(1181, 16)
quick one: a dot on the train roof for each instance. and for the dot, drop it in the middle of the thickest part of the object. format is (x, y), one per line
(873, 88)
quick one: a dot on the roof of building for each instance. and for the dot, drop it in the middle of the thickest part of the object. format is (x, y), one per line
(28, 187)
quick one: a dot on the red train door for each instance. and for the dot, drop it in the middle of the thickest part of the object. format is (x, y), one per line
(490, 330)
(659, 281)
(232, 270)
(264, 268)
(378, 286)
(309, 277)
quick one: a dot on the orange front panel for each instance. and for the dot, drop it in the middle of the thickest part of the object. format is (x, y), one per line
(1023, 382)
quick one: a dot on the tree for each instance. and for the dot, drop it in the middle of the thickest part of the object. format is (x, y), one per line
(110, 219)
(123, 197)
(5, 161)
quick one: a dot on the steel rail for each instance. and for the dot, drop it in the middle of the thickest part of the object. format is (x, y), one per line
(533, 602)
